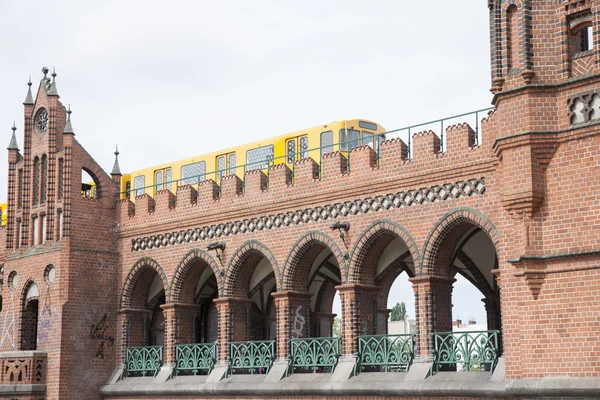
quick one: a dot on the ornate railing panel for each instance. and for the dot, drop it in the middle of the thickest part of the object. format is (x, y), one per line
(316, 354)
(23, 367)
(385, 352)
(469, 351)
(195, 358)
(142, 361)
(253, 357)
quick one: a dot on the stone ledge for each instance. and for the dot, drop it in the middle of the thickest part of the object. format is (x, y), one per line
(6, 390)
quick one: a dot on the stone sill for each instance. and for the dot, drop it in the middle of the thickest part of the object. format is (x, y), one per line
(6, 390)
(460, 384)
(582, 54)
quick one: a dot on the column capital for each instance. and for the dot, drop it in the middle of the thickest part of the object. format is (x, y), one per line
(291, 294)
(180, 306)
(430, 280)
(232, 300)
(357, 287)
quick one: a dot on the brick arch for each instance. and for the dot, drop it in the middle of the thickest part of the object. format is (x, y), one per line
(367, 244)
(294, 261)
(452, 226)
(26, 286)
(386, 280)
(101, 179)
(186, 276)
(140, 270)
(237, 278)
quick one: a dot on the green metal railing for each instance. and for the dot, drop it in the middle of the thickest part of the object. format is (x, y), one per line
(469, 351)
(143, 361)
(373, 140)
(194, 359)
(251, 357)
(385, 352)
(316, 354)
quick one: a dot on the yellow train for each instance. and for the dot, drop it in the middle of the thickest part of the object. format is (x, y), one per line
(313, 142)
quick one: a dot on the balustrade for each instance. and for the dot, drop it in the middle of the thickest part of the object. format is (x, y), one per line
(385, 352)
(469, 351)
(142, 361)
(194, 359)
(316, 354)
(252, 357)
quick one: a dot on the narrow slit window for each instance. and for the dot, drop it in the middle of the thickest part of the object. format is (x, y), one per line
(36, 180)
(61, 167)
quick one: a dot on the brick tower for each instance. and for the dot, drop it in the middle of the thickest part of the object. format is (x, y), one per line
(545, 74)
(61, 253)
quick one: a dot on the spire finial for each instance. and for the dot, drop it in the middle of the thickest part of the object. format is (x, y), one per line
(29, 97)
(45, 72)
(116, 169)
(52, 86)
(68, 126)
(13, 140)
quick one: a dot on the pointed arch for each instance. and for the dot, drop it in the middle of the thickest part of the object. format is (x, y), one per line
(240, 256)
(454, 219)
(370, 236)
(294, 257)
(139, 269)
(30, 282)
(183, 270)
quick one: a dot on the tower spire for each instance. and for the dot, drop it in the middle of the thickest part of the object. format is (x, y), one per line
(13, 140)
(52, 91)
(68, 126)
(116, 169)
(29, 98)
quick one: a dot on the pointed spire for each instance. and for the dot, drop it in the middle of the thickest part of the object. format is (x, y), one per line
(68, 126)
(29, 98)
(13, 141)
(116, 169)
(52, 88)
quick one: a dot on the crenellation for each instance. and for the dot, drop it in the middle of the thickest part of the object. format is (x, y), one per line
(459, 138)
(144, 204)
(305, 171)
(186, 196)
(255, 182)
(280, 176)
(426, 145)
(392, 151)
(334, 165)
(208, 192)
(231, 187)
(165, 200)
(362, 158)
(125, 209)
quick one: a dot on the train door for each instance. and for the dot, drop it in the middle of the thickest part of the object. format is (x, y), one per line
(296, 148)
(163, 179)
(368, 131)
(326, 142)
(226, 164)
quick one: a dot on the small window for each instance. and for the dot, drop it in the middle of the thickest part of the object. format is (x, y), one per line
(221, 166)
(232, 164)
(158, 179)
(43, 233)
(304, 147)
(20, 190)
(139, 182)
(291, 151)
(128, 189)
(367, 125)
(36, 230)
(349, 139)
(193, 173)
(585, 36)
(326, 142)
(169, 178)
(259, 158)
(580, 34)
(61, 167)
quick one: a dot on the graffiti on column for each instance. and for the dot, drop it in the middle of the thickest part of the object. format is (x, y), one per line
(98, 332)
(299, 322)
(9, 326)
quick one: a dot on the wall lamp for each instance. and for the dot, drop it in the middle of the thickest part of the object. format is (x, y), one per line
(341, 227)
(216, 246)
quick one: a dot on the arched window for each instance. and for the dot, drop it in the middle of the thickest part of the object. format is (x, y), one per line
(20, 189)
(36, 180)
(44, 183)
(61, 167)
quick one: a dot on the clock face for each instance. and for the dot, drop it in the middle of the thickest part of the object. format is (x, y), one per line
(41, 121)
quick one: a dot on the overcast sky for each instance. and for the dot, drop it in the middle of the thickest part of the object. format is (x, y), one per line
(171, 79)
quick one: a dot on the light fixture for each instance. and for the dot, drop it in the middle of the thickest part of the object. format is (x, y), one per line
(341, 227)
(216, 246)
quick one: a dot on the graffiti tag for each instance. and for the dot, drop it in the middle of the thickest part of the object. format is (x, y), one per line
(299, 322)
(98, 332)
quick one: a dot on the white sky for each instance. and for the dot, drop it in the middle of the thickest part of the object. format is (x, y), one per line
(171, 79)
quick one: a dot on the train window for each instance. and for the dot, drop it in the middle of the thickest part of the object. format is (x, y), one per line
(232, 164)
(349, 139)
(163, 179)
(367, 125)
(221, 166)
(291, 151)
(304, 147)
(367, 138)
(128, 189)
(259, 158)
(169, 178)
(158, 180)
(193, 173)
(326, 142)
(138, 185)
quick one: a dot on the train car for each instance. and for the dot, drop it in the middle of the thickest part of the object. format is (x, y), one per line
(314, 142)
(3, 212)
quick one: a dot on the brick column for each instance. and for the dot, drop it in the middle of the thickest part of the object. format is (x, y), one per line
(132, 329)
(293, 318)
(234, 317)
(359, 314)
(179, 328)
(383, 315)
(433, 305)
